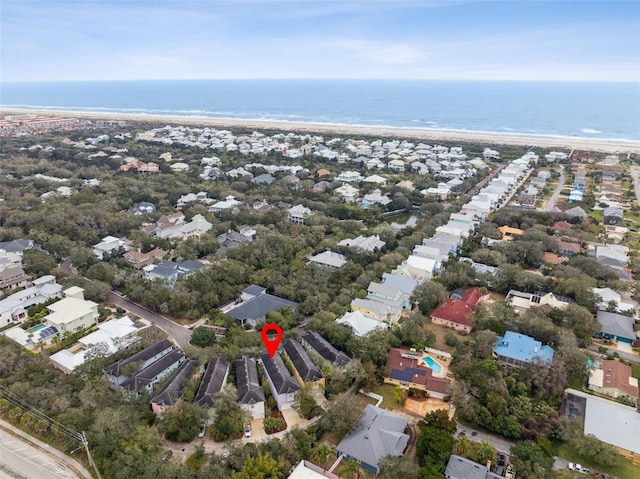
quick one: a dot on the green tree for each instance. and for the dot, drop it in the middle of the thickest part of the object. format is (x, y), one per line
(341, 415)
(392, 467)
(305, 404)
(429, 295)
(182, 422)
(230, 418)
(530, 460)
(259, 467)
(320, 455)
(486, 452)
(203, 337)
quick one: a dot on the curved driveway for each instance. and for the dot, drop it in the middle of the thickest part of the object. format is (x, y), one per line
(180, 334)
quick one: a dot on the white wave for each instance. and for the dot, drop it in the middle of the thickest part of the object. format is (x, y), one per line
(591, 131)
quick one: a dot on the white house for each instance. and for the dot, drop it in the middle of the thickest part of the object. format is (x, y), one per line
(108, 245)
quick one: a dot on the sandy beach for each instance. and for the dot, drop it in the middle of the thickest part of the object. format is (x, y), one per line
(605, 145)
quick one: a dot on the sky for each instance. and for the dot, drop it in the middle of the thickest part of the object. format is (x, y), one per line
(60, 40)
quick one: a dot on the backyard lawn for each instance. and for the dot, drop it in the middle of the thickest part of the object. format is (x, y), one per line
(624, 470)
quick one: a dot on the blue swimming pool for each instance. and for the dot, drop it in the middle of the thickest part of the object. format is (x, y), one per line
(37, 328)
(432, 364)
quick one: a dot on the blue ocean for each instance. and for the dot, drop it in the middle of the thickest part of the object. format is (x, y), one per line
(596, 110)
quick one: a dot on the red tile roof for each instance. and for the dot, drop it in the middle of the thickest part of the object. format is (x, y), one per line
(403, 360)
(459, 311)
(562, 224)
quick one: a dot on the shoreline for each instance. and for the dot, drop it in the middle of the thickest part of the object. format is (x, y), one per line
(605, 145)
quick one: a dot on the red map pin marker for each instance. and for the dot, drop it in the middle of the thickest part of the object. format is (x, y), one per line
(269, 343)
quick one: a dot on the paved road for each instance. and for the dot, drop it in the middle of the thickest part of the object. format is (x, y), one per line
(66, 266)
(180, 334)
(499, 442)
(554, 197)
(22, 460)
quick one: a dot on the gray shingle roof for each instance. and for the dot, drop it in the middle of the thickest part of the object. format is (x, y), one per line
(212, 382)
(282, 380)
(616, 325)
(16, 245)
(257, 308)
(325, 349)
(146, 376)
(249, 389)
(144, 355)
(169, 394)
(461, 468)
(301, 361)
(380, 434)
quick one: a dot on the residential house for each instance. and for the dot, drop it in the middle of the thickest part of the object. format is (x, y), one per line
(387, 294)
(299, 214)
(329, 260)
(515, 349)
(117, 372)
(147, 377)
(193, 229)
(568, 249)
(613, 216)
(457, 311)
(108, 339)
(13, 277)
(408, 369)
(165, 226)
(254, 304)
(201, 196)
(284, 387)
(228, 203)
(616, 327)
(13, 308)
(348, 193)
(417, 268)
(607, 296)
(576, 212)
(250, 393)
(212, 383)
(462, 468)
(360, 324)
(324, 348)
(109, 245)
(610, 422)
(349, 177)
(308, 470)
(404, 284)
(381, 434)
(521, 302)
(72, 313)
(230, 240)
(179, 167)
(172, 390)
(265, 179)
(293, 181)
(369, 243)
(143, 208)
(304, 370)
(139, 260)
(376, 179)
(481, 268)
(377, 310)
(575, 196)
(17, 246)
(375, 198)
(508, 233)
(614, 378)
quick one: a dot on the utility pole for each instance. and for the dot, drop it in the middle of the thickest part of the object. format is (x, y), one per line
(85, 443)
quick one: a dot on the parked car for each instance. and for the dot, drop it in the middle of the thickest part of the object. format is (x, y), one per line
(202, 431)
(502, 458)
(575, 467)
(167, 455)
(247, 430)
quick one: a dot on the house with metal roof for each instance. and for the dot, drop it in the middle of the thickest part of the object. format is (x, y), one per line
(304, 370)
(380, 434)
(612, 423)
(250, 393)
(404, 284)
(329, 260)
(515, 349)
(323, 348)
(369, 243)
(616, 327)
(462, 468)
(282, 384)
(212, 383)
(172, 390)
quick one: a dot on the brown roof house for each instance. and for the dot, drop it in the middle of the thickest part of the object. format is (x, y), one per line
(613, 378)
(415, 370)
